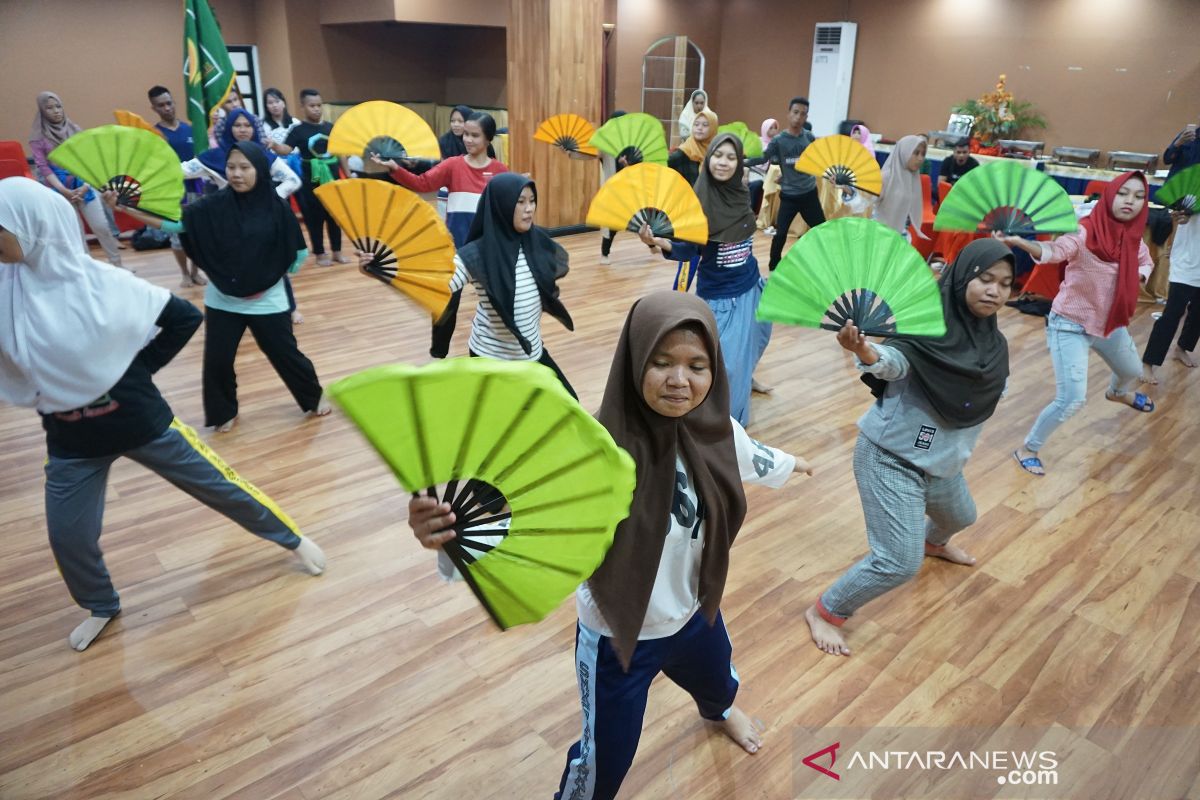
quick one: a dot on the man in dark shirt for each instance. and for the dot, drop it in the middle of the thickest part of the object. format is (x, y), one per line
(798, 190)
(179, 135)
(311, 137)
(956, 165)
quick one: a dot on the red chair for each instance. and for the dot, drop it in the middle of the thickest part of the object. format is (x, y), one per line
(12, 160)
(1094, 187)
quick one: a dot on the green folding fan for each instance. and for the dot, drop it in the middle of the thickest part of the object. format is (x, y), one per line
(140, 166)
(511, 445)
(641, 132)
(1181, 191)
(859, 270)
(751, 143)
(1007, 197)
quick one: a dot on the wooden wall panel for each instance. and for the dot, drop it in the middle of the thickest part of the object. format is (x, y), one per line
(554, 67)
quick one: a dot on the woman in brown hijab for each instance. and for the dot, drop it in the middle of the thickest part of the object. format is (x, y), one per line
(654, 604)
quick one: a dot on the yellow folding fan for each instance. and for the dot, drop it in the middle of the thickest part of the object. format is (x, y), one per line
(131, 120)
(412, 248)
(570, 132)
(382, 128)
(654, 195)
(844, 161)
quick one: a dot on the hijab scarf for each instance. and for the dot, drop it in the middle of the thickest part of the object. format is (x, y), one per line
(695, 148)
(490, 254)
(901, 200)
(963, 373)
(214, 158)
(1118, 242)
(244, 241)
(762, 131)
(863, 137)
(452, 145)
(688, 115)
(726, 204)
(622, 585)
(70, 326)
(44, 129)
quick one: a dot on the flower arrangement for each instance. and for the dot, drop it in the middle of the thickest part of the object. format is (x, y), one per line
(998, 115)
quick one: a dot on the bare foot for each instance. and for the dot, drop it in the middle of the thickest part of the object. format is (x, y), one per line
(324, 260)
(186, 283)
(761, 388)
(226, 427)
(950, 552)
(742, 730)
(1184, 356)
(323, 407)
(199, 279)
(1148, 375)
(339, 258)
(827, 637)
(297, 317)
(605, 260)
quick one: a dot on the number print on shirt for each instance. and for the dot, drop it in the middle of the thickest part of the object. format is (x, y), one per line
(764, 460)
(686, 514)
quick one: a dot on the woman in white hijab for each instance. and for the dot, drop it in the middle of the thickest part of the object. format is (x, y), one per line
(80, 341)
(697, 103)
(900, 203)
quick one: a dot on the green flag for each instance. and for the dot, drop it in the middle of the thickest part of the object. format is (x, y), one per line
(207, 70)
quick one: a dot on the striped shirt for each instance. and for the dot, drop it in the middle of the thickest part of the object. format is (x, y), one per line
(489, 335)
(1090, 284)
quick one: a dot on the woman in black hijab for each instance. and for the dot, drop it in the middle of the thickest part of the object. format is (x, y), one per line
(514, 266)
(932, 398)
(247, 240)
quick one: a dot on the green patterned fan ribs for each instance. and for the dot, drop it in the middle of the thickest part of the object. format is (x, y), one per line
(1007, 197)
(536, 484)
(139, 165)
(859, 270)
(639, 131)
(1181, 191)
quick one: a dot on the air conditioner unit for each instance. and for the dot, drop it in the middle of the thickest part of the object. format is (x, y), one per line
(829, 82)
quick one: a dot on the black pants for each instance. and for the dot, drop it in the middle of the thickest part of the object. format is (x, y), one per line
(545, 360)
(273, 333)
(807, 205)
(1181, 298)
(606, 241)
(317, 219)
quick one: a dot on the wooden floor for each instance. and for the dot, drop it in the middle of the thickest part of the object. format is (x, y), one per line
(233, 674)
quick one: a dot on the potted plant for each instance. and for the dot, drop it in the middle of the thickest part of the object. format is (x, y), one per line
(998, 115)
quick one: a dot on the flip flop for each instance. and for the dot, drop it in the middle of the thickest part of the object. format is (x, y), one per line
(1027, 464)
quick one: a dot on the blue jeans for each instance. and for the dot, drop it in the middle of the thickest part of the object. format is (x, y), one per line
(1069, 344)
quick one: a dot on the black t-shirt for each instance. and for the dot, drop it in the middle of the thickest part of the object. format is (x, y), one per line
(951, 171)
(300, 136)
(133, 412)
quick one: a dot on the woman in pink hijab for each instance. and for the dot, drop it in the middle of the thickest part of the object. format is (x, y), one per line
(860, 133)
(766, 195)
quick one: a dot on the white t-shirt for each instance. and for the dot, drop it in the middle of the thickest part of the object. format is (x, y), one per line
(1185, 253)
(676, 594)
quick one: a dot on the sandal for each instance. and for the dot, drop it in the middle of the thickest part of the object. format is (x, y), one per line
(1030, 464)
(1140, 401)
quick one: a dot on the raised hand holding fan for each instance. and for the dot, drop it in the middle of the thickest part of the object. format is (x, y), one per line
(649, 194)
(510, 445)
(570, 133)
(638, 136)
(842, 161)
(1181, 191)
(1007, 197)
(138, 165)
(382, 128)
(412, 249)
(858, 270)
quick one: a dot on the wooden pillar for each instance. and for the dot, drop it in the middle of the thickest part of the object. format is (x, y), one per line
(554, 67)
